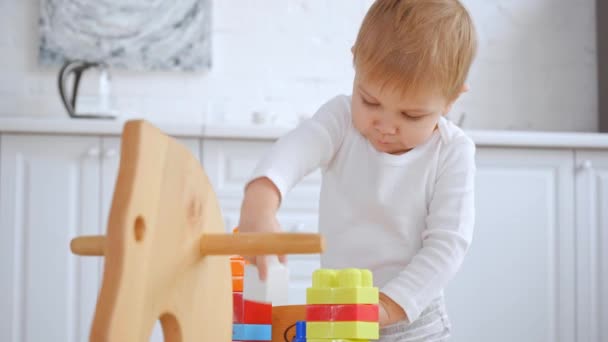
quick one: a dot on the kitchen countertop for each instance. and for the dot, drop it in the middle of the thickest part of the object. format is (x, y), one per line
(498, 138)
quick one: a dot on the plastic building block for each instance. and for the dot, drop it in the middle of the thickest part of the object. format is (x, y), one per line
(237, 266)
(251, 332)
(273, 290)
(342, 312)
(257, 313)
(237, 284)
(300, 332)
(332, 340)
(347, 286)
(344, 330)
(237, 307)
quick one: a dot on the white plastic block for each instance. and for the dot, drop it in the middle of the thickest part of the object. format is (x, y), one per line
(274, 290)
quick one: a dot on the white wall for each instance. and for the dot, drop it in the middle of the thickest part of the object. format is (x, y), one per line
(536, 68)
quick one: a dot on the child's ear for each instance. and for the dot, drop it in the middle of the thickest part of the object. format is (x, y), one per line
(465, 88)
(448, 108)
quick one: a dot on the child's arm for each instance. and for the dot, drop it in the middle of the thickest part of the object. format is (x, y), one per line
(258, 214)
(311, 145)
(447, 236)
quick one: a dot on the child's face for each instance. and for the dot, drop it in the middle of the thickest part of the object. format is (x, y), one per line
(391, 122)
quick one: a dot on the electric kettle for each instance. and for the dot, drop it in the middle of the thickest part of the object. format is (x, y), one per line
(77, 68)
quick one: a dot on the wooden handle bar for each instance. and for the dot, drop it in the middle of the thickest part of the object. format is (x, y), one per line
(261, 243)
(88, 245)
(227, 244)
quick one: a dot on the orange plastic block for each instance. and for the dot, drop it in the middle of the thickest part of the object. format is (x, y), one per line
(237, 266)
(256, 312)
(237, 284)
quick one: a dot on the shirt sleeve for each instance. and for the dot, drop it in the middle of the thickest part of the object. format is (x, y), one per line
(448, 233)
(311, 145)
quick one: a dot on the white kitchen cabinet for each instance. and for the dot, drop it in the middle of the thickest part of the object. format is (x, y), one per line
(592, 244)
(49, 193)
(537, 269)
(518, 281)
(53, 188)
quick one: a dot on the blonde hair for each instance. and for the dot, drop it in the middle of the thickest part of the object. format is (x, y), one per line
(415, 45)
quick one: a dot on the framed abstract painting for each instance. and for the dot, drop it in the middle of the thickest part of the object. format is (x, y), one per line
(136, 34)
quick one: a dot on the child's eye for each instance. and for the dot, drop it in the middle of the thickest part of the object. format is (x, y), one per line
(368, 103)
(411, 118)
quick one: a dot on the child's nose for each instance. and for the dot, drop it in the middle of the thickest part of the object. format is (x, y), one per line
(385, 128)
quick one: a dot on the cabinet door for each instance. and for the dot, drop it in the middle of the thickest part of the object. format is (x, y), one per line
(110, 153)
(592, 244)
(49, 193)
(518, 280)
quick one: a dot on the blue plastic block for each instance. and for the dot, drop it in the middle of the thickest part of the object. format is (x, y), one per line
(251, 332)
(300, 332)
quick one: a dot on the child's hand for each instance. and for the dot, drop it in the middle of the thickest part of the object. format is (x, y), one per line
(389, 311)
(258, 214)
(382, 314)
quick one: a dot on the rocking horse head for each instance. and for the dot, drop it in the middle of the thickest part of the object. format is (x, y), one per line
(166, 250)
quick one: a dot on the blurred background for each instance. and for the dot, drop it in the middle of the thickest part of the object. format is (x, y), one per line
(537, 67)
(226, 78)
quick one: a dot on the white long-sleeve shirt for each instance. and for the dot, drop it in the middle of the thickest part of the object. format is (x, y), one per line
(408, 218)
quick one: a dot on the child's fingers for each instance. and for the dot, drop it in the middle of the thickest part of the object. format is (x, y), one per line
(283, 259)
(262, 266)
(250, 259)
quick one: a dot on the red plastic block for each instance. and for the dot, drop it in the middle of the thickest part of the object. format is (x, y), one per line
(257, 313)
(237, 307)
(342, 312)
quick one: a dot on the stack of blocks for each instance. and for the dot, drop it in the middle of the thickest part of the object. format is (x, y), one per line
(253, 299)
(341, 305)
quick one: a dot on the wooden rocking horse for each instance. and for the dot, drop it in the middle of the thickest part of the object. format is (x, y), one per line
(166, 250)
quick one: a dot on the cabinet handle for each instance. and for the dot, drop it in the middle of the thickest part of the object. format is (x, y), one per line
(297, 228)
(586, 165)
(109, 153)
(93, 152)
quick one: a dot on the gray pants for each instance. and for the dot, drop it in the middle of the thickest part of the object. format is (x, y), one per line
(432, 325)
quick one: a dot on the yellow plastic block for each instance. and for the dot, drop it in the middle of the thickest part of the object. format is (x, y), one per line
(346, 286)
(344, 330)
